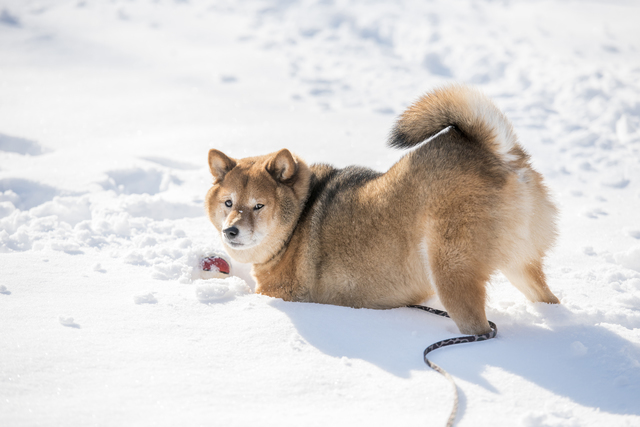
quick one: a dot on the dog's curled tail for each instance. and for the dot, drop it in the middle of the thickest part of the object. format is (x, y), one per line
(465, 108)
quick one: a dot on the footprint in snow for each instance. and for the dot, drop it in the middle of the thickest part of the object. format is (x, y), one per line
(8, 19)
(433, 63)
(616, 182)
(4, 290)
(228, 78)
(610, 48)
(595, 213)
(68, 321)
(145, 299)
(14, 144)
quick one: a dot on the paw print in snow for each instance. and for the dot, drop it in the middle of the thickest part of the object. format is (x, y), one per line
(68, 321)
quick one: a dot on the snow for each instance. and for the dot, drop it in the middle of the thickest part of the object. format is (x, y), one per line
(107, 111)
(216, 290)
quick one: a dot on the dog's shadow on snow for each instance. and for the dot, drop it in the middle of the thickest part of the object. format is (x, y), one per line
(590, 365)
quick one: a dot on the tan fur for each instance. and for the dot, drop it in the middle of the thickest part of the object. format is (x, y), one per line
(442, 220)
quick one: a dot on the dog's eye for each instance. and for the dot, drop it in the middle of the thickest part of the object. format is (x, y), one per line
(258, 207)
(228, 203)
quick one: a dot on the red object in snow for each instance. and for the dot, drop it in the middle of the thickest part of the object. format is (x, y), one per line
(215, 263)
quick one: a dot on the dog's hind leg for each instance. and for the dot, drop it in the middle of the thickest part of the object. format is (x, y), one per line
(462, 290)
(530, 279)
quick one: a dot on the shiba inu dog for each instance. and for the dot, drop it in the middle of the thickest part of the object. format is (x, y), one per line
(465, 203)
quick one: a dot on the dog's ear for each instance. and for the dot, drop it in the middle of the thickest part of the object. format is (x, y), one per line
(282, 166)
(219, 164)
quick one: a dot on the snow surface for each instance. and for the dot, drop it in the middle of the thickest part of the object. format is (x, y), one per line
(107, 110)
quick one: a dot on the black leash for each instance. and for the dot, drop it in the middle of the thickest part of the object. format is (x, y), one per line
(452, 341)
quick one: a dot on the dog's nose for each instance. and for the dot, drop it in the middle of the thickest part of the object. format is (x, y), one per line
(231, 232)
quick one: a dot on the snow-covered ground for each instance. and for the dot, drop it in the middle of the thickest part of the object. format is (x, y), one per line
(107, 111)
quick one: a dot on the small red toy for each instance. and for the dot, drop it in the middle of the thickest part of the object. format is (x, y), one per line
(215, 263)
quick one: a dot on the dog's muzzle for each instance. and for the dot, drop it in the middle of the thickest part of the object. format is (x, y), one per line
(231, 233)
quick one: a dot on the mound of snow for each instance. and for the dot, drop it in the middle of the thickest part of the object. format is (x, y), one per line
(630, 258)
(218, 290)
(149, 298)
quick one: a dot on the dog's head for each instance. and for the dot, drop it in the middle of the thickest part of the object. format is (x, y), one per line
(255, 202)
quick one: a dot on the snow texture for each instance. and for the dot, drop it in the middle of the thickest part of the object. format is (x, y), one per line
(216, 290)
(107, 112)
(145, 299)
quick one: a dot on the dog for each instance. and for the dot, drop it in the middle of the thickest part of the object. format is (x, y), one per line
(464, 203)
